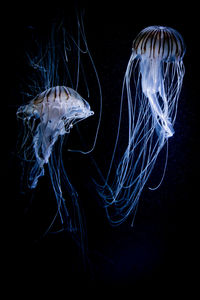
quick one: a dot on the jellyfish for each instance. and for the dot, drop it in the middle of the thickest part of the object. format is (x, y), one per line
(58, 109)
(53, 107)
(49, 116)
(151, 86)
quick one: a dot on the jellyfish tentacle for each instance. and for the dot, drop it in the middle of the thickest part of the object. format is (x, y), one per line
(163, 123)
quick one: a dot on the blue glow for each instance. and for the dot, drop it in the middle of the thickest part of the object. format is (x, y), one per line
(151, 88)
(51, 114)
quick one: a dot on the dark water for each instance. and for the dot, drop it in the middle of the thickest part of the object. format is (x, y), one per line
(159, 250)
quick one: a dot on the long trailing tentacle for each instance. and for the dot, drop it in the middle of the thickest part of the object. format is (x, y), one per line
(68, 210)
(150, 125)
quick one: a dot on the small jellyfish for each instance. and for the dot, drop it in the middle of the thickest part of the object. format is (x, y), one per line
(151, 86)
(57, 109)
(49, 116)
(60, 65)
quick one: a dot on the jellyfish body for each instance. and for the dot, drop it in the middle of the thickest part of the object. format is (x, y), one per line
(48, 118)
(157, 46)
(57, 109)
(152, 84)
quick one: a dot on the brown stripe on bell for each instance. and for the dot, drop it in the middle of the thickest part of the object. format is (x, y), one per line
(158, 42)
(57, 93)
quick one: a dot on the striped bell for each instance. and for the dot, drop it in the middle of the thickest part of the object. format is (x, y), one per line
(158, 42)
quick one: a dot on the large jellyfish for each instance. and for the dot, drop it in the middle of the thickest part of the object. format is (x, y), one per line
(51, 113)
(152, 84)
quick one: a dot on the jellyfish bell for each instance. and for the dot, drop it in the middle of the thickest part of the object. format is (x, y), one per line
(56, 105)
(159, 42)
(57, 109)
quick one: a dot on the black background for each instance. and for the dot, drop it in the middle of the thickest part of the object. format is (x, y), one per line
(159, 251)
